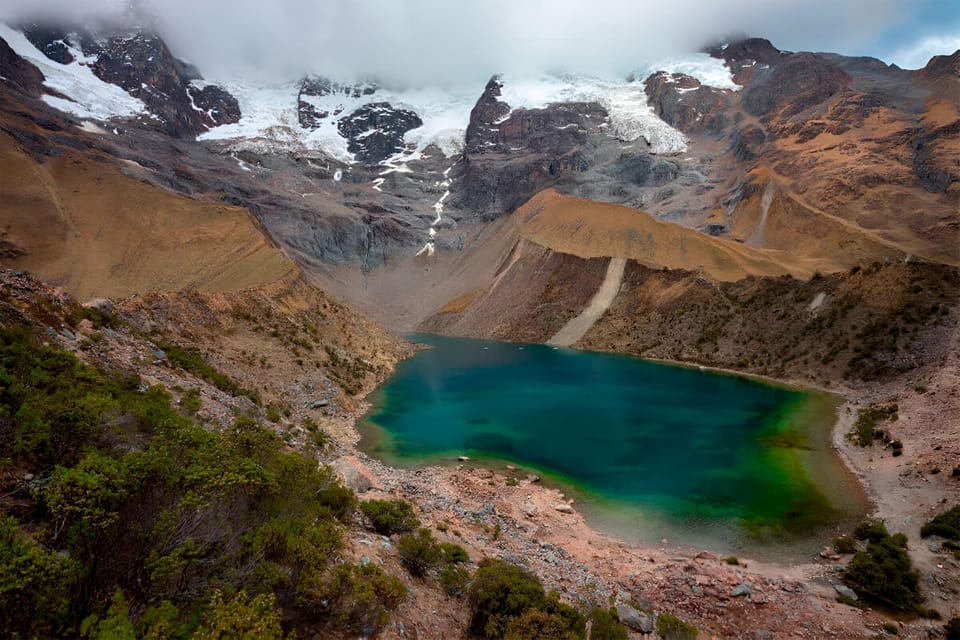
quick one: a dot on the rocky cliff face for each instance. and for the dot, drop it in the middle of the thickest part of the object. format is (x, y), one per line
(140, 62)
(23, 75)
(309, 114)
(375, 132)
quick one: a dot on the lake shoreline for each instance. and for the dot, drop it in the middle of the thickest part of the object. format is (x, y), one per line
(573, 557)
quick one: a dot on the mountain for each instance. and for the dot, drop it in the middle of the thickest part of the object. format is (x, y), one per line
(256, 246)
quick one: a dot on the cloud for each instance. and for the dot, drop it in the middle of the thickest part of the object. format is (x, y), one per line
(918, 54)
(454, 41)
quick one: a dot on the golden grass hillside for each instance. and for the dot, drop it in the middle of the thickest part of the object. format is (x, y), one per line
(589, 229)
(84, 226)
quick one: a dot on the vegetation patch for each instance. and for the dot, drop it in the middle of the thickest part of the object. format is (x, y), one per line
(883, 574)
(946, 525)
(673, 628)
(137, 522)
(864, 431)
(509, 602)
(191, 360)
(390, 516)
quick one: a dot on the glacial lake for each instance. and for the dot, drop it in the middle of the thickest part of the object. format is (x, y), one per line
(648, 450)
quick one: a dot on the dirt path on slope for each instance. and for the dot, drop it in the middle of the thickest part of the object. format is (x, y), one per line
(578, 326)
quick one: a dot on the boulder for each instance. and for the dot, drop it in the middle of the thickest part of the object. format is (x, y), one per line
(742, 589)
(634, 619)
(355, 474)
(845, 591)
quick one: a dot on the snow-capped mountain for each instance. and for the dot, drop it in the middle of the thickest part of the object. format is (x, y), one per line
(273, 115)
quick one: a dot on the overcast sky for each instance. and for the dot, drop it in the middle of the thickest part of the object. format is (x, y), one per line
(439, 41)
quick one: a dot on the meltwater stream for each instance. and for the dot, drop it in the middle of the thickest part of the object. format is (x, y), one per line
(649, 450)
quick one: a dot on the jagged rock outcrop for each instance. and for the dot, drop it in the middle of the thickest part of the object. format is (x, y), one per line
(483, 131)
(745, 57)
(375, 131)
(685, 104)
(512, 154)
(19, 72)
(140, 62)
(145, 68)
(310, 114)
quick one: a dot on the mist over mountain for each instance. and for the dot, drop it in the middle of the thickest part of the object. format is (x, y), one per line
(419, 42)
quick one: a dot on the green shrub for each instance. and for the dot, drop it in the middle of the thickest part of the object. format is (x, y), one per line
(891, 628)
(605, 625)
(454, 580)
(864, 429)
(240, 618)
(501, 591)
(732, 560)
(872, 530)
(945, 525)
(453, 553)
(390, 516)
(535, 623)
(36, 585)
(419, 552)
(190, 401)
(340, 500)
(672, 628)
(883, 574)
(190, 359)
(845, 544)
(115, 625)
(360, 598)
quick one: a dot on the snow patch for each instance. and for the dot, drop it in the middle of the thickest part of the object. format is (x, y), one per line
(87, 95)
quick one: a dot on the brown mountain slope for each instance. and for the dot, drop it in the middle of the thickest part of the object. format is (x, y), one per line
(84, 226)
(590, 229)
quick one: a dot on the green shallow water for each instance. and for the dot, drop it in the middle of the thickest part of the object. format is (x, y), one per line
(649, 450)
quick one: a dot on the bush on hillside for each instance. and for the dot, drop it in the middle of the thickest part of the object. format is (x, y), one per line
(605, 625)
(501, 591)
(872, 530)
(390, 516)
(945, 525)
(454, 580)
(673, 628)
(952, 629)
(509, 602)
(360, 598)
(883, 574)
(138, 516)
(419, 552)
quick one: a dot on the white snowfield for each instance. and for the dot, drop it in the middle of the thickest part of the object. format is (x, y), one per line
(89, 96)
(269, 121)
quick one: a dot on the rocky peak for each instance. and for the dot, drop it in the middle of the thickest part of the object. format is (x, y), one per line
(375, 131)
(144, 67)
(744, 57)
(19, 72)
(139, 61)
(310, 113)
(685, 104)
(483, 130)
(56, 41)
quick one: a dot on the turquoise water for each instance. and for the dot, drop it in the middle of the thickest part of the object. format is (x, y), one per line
(650, 450)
